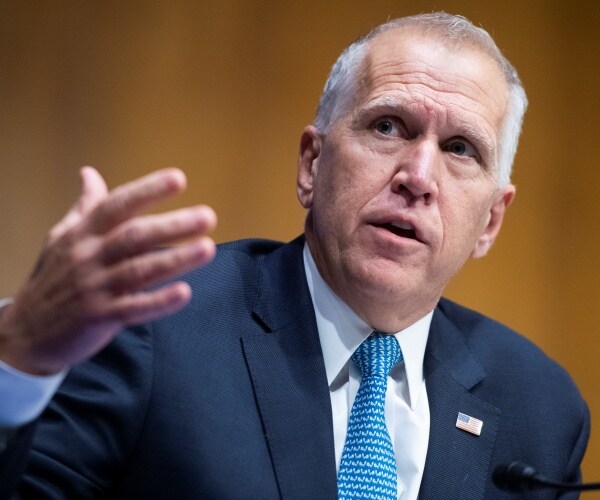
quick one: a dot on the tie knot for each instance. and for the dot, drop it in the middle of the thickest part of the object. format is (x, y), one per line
(377, 355)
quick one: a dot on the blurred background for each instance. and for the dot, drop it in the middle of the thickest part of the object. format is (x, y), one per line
(223, 90)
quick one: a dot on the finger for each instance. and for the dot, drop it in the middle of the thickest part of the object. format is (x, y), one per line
(93, 191)
(129, 199)
(145, 233)
(141, 272)
(148, 306)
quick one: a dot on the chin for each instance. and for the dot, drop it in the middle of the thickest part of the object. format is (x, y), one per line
(385, 280)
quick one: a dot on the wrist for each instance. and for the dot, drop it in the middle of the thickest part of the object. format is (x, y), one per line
(13, 351)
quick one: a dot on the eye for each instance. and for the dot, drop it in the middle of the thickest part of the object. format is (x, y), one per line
(387, 126)
(460, 147)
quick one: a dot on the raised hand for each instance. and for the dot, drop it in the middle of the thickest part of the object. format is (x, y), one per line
(95, 269)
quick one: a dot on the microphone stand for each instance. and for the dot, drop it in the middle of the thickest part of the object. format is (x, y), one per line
(521, 477)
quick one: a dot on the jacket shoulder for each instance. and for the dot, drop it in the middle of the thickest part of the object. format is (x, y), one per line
(236, 264)
(510, 359)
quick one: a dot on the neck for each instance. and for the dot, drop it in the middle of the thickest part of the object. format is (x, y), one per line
(385, 312)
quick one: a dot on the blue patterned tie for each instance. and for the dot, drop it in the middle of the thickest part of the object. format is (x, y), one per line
(368, 465)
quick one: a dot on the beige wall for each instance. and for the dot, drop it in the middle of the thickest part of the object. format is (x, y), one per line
(223, 90)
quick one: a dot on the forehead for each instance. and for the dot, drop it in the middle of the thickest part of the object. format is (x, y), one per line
(460, 82)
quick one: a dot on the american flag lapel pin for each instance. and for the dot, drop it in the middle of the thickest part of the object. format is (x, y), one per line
(469, 424)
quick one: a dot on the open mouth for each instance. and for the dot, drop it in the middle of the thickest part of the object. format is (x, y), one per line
(401, 229)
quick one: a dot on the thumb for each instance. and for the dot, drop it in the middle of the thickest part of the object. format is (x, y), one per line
(93, 191)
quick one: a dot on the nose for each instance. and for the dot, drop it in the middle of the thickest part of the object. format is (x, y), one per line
(416, 171)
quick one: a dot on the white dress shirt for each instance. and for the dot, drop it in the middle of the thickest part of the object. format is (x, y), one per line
(341, 331)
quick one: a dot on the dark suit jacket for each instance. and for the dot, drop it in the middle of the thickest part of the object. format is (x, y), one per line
(229, 399)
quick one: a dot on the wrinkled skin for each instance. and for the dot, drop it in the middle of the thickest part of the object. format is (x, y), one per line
(416, 149)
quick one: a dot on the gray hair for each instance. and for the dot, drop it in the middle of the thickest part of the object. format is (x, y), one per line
(341, 84)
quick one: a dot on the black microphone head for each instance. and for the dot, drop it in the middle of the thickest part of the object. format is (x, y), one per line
(515, 476)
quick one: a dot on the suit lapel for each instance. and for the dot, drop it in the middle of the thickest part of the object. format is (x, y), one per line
(458, 463)
(288, 375)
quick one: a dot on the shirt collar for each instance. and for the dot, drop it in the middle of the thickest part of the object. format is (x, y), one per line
(341, 331)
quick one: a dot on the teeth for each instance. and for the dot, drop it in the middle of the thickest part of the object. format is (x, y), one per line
(402, 225)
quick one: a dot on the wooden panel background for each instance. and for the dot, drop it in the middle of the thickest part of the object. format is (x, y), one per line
(223, 89)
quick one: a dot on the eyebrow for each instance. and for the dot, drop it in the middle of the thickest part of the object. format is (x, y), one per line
(381, 104)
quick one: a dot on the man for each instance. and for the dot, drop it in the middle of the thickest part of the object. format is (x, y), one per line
(248, 391)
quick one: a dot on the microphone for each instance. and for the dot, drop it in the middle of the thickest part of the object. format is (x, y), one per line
(518, 476)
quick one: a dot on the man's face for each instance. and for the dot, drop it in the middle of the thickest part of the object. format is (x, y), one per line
(403, 187)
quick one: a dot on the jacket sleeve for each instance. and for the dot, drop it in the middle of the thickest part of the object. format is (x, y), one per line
(85, 436)
(574, 465)
(14, 451)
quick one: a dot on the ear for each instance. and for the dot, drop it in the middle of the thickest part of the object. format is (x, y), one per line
(503, 199)
(308, 162)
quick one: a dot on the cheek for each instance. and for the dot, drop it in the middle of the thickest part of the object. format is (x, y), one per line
(345, 183)
(463, 223)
